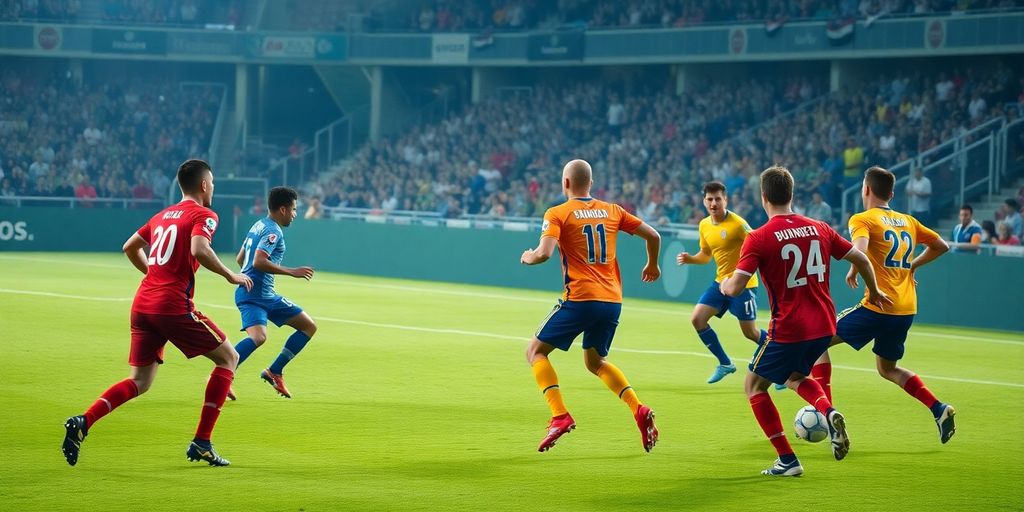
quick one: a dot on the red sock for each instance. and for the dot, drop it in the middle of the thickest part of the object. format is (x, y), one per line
(768, 417)
(216, 393)
(811, 391)
(823, 374)
(915, 388)
(113, 397)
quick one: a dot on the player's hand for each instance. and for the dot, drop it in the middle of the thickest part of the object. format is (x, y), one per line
(651, 273)
(681, 258)
(879, 298)
(302, 272)
(851, 279)
(526, 257)
(241, 280)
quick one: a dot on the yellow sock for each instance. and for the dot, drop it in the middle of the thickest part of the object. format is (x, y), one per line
(547, 381)
(616, 381)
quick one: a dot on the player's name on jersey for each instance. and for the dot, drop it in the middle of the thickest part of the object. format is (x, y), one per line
(590, 214)
(800, 232)
(173, 214)
(894, 222)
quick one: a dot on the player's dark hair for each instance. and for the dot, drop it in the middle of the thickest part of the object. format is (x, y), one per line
(880, 182)
(191, 173)
(968, 208)
(281, 196)
(777, 185)
(713, 187)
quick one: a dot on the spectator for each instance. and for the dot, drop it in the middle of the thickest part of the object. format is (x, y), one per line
(988, 231)
(819, 209)
(1005, 235)
(315, 210)
(1011, 215)
(966, 235)
(257, 207)
(853, 159)
(919, 193)
(85, 192)
(92, 134)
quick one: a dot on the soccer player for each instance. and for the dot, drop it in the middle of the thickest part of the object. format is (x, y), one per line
(260, 259)
(889, 238)
(179, 240)
(721, 236)
(585, 230)
(792, 253)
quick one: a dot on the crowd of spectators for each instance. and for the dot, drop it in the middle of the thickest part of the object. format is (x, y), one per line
(59, 138)
(651, 148)
(146, 12)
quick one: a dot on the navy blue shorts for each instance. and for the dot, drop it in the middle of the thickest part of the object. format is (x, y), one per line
(256, 311)
(859, 325)
(777, 361)
(596, 320)
(743, 307)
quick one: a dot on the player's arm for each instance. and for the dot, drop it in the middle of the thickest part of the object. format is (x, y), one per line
(861, 243)
(240, 256)
(201, 250)
(934, 246)
(735, 284)
(863, 265)
(261, 261)
(541, 253)
(701, 258)
(135, 249)
(650, 235)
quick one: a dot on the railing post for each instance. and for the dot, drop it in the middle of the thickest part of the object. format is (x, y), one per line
(963, 178)
(991, 164)
(330, 146)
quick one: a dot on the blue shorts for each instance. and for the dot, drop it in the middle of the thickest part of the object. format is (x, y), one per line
(257, 310)
(596, 320)
(743, 307)
(777, 361)
(859, 325)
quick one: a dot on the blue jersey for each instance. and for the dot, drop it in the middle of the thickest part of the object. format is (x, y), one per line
(265, 235)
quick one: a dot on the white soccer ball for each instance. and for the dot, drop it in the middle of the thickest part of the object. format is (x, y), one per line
(810, 425)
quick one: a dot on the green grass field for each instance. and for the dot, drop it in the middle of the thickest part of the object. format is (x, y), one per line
(416, 396)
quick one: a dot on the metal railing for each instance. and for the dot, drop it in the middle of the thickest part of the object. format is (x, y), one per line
(76, 202)
(330, 144)
(214, 150)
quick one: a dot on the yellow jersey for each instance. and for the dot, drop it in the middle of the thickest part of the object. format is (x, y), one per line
(724, 241)
(892, 237)
(586, 229)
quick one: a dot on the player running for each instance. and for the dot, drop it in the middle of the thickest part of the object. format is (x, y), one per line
(260, 258)
(792, 253)
(585, 230)
(179, 240)
(721, 236)
(889, 238)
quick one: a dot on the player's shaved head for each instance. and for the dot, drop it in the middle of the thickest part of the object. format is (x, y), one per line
(579, 176)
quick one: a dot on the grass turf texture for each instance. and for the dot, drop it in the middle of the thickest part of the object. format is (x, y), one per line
(416, 395)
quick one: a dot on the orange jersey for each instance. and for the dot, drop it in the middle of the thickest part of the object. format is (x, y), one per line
(892, 237)
(586, 230)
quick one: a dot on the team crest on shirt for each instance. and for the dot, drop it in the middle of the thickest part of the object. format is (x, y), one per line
(545, 225)
(211, 226)
(272, 239)
(725, 234)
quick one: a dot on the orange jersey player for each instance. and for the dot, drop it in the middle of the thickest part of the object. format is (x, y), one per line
(585, 230)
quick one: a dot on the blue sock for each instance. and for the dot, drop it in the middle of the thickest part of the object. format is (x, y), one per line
(937, 409)
(292, 347)
(788, 459)
(245, 348)
(764, 337)
(710, 340)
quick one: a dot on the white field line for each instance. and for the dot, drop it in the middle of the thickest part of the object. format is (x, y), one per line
(476, 334)
(682, 311)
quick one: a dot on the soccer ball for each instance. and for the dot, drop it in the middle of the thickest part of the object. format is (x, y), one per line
(810, 425)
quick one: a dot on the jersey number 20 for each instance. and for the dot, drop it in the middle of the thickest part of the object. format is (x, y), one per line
(815, 264)
(163, 244)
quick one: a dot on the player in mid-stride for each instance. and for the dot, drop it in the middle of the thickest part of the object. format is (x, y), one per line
(793, 255)
(888, 238)
(585, 229)
(179, 240)
(260, 258)
(721, 236)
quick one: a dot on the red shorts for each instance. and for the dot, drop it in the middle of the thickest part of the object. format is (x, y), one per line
(193, 334)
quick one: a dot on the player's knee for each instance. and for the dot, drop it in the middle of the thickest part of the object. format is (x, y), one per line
(594, 366)
(310, 329)
(258, 338)
(143, 384)
(698, 323)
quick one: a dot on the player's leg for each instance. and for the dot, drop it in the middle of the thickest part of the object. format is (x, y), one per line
(255, 337)
(802, 357)
(558, 330)
(284, 312)
(767, 416)
(712, 303)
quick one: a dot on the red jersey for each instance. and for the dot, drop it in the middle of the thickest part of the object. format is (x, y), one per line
(792, 252)
(170, 283)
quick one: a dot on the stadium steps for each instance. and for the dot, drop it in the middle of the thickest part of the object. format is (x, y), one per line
(983, 210)
(227, 148)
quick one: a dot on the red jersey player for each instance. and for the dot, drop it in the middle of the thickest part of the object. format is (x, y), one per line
(793, 255)
(179, 241)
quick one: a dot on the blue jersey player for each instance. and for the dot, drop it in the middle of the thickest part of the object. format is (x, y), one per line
(260, 259)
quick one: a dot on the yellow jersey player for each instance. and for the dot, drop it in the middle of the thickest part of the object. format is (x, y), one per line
(888, 238)
(585, 229)
(721, 236)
